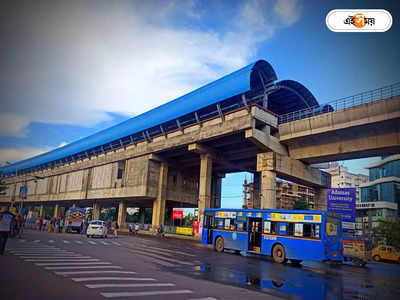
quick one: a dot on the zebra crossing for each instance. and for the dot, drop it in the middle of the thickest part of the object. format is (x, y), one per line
(109, 280)
(78, 242)
(146, 249)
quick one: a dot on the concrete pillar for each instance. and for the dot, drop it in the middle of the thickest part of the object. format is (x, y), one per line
(268, 190)
(141, 215)
(121, 219)
(96, 211)
(205, 185)
(216, 192)
(56, 211)
(159, 202)
(320, 198)
(257, 189)
(41, 211)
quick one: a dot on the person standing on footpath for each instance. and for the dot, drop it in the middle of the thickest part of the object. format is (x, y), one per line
(6, 219)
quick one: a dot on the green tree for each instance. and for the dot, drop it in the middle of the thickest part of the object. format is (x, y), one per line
(387, 232)
(300, 204)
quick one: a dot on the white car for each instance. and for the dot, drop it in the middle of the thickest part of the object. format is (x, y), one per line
(96, 228)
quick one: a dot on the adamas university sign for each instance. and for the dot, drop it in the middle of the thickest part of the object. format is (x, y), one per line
(343, 202)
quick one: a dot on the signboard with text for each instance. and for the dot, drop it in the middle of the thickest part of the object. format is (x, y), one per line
(177, 214)
(343, 202)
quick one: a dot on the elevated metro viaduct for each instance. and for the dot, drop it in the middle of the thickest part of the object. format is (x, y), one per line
(177, 154)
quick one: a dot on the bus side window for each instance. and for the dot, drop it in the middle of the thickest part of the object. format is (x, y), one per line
(311, 230)
(227, 224)
(274, 226)
(290, 229)
(267, 227)
(298, 229)
(233, 224)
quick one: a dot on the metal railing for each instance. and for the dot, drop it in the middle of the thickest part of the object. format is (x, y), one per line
(344, 103)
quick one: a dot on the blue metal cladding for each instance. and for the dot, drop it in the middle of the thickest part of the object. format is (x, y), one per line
(228, 86)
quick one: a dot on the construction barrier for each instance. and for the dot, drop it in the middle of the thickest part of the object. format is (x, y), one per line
(184, 230)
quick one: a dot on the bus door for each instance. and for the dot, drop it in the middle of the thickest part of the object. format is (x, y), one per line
(207, 234)
(255, 234)
(333, 238)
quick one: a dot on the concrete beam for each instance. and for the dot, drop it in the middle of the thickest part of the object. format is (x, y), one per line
(265, 142)
(216, 156)
(293, 170)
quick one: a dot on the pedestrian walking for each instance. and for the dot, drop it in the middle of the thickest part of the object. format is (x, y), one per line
(136, 228)
(60, 225)
(131, 229)
(41, 221)
(6, 220)
(115, 228)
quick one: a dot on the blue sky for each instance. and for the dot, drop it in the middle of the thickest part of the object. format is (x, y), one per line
(70, 69)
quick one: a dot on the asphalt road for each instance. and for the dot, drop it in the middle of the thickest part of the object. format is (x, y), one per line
(45, 266)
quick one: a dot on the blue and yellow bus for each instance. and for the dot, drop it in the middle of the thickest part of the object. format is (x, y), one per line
(283, 234)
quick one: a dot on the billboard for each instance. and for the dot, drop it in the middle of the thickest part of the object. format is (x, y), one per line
(177, 214)
(343, 202)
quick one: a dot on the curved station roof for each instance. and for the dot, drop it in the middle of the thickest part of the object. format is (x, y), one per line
(256, 82)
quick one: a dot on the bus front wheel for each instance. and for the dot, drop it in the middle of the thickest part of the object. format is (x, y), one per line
(278, 254)
(219, 244)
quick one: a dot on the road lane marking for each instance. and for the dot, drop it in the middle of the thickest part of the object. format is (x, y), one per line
(48, 255)
(116, 243)
(91, 242)
(53, 257)
(51, 241)
(73, 264)
(81, 279)
(41, 253)
(62, 260)
(158, 261)
(206, 298)
(78, 242)
(172, 251)
(82, 267)
(141, 294)
(22, 241)
(93, 272)
(104, 243)
(66, 242)
(120, 285)
(36, 241)
(162, 257)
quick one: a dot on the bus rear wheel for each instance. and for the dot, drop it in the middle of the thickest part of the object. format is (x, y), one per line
(376, 258)
(219, 244)
(278, 254)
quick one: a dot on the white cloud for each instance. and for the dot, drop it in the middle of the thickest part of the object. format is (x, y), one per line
(16, 154)
(288, 10)
(13, 125)
(78, 61)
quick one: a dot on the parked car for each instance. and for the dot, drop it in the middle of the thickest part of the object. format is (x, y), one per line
(96, 228)
(385, 252)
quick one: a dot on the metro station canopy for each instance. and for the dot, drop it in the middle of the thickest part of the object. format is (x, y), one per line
(255, 83)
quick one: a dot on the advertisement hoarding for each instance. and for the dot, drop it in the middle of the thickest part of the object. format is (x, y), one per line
(343, 202)
(177, 214)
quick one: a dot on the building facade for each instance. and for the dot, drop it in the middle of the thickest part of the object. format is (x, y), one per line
(342, 178)
(288, 192)
(368, 214)
(384, 185)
